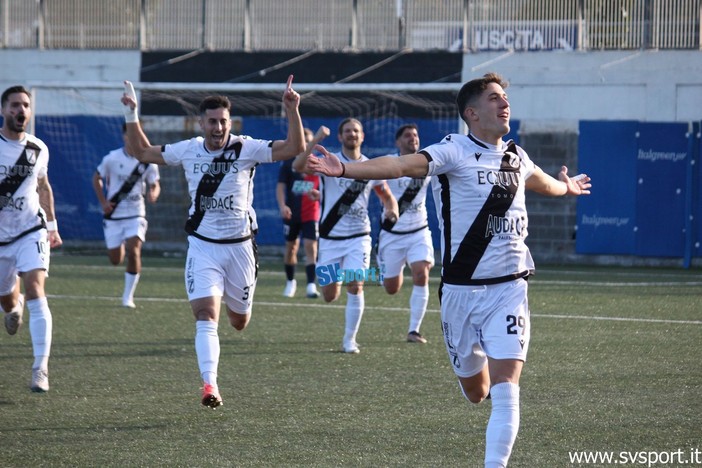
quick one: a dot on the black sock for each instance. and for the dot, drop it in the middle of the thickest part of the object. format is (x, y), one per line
(289, 272)
(311, 276)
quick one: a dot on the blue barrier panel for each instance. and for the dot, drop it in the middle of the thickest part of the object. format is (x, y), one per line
(76, 147)
(695, 195)
(661, 166)
(606, 218)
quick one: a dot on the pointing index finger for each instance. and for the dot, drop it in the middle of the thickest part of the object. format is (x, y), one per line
(289, 84)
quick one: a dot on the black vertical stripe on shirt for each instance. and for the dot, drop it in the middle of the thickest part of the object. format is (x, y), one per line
(209, 183)
(446, 216)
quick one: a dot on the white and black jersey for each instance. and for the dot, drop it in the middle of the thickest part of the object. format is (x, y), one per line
(126, 180)
(220, 185)
(344, 204)
(479, 195)
(22, 162)
(411, 195)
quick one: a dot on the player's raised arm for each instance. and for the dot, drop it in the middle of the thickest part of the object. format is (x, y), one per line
(384, 167)
(294, 144)
(300, 162)
(139, 144)
(544, 184)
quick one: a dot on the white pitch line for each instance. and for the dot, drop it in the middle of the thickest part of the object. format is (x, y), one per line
(387, 309)
(618, 284)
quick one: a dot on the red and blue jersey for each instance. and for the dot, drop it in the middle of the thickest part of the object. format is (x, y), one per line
(297, 186)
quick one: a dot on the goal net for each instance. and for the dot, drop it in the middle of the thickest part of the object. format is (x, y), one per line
(82, 123)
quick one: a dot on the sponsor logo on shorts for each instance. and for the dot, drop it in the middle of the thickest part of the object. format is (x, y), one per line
(327, 274)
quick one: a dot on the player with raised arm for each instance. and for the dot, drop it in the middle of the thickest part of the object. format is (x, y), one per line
(219, 167)
(479, 183)
(344, 227)
(297, 195)
(128, 183)
(408, 240)
(28, 229)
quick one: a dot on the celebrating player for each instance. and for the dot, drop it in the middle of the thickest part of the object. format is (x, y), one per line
(344, 229)
(298, 203)
(479, 182)
(124, 211)
(28, 229)
(408, 240)
(219, 167)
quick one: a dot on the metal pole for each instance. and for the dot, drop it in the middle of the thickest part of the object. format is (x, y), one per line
(5, 23)
(203, 25)
(142, 26)
(353, 41)
(247, 26)
(40, 26)
(400, 12)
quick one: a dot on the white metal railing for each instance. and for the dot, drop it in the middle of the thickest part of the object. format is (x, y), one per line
(263, 25)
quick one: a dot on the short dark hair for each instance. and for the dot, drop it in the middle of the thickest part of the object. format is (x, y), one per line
(475, 88)
(215, 102)
(404, 127)
(347, 120)
(13, 90)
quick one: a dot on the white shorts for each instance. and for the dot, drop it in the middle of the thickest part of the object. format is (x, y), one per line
(119, 230)
(396, 250)
(30, 252)
(352, 254)
(480, 321)
(228, 271)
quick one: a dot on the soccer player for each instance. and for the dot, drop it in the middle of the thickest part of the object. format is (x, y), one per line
(124, 224)
(298, 202)
(344, 227)
(408, 240)
(28, 229)
(479, 183)
(219, 168)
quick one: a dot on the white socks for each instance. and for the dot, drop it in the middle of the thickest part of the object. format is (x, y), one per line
(503, 424)
(130, 283)
(207, 350)
(40, 328)
(418, 306)
(355, 304)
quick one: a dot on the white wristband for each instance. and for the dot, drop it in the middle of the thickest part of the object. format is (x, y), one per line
(130, 115)
(52, 225)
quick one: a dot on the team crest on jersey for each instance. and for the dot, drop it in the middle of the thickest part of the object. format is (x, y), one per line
(513, 159)
(31, 156)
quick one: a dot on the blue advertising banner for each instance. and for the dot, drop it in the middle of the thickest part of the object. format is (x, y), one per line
(606, 218)
(661, 163)
(643, 199)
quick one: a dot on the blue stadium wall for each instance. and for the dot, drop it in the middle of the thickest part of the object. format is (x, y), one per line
(646, 195)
